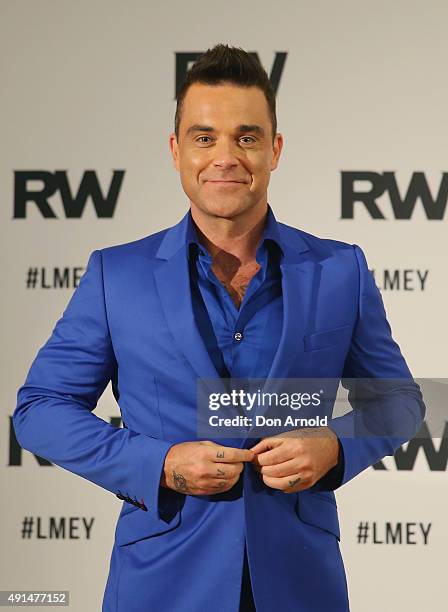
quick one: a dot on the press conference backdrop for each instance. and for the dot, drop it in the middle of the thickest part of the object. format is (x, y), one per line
(87, 103)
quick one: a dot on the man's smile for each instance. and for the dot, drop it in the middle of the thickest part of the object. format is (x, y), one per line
(226, 183)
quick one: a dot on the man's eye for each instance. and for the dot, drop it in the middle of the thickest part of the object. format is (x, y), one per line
(200, 139)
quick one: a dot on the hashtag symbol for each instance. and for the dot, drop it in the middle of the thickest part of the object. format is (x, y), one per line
(27, 527)
(363, 530)
(31, 279)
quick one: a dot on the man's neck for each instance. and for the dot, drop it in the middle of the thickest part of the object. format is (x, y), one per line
(235, 238)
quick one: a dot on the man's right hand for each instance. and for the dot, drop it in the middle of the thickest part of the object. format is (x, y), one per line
(203, 468)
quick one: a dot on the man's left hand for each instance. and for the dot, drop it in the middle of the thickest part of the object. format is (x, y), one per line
(295, 460)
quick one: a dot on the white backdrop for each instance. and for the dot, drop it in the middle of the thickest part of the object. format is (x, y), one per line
(90, 86)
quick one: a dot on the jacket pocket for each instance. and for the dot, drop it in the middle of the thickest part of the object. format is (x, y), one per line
(328, 337)
(318, 509)
(137, 524)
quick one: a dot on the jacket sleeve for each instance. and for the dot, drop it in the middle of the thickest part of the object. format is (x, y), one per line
(387, 404)
(54, 414)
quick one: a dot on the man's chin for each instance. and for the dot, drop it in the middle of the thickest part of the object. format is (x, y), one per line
(226, 210)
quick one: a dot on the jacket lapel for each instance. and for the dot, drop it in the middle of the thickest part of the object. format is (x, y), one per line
(298, 280)
(173, 286)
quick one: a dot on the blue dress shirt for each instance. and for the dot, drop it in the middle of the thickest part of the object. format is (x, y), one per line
(241, 342)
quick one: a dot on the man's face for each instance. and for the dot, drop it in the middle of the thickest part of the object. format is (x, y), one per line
(225, 153)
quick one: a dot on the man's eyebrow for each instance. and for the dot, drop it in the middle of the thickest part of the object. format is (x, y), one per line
(251, 127)
(243, 127)
(199, 128)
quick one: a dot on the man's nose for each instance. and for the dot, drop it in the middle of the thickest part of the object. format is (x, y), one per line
(225, 155)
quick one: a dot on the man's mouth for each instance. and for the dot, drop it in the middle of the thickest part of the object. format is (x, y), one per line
(218, 182)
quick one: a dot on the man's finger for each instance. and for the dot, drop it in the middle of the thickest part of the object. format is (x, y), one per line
(266, 444)
(223, 470)
(290, 484)
(280, 470)
(229, 454)
(275, 455)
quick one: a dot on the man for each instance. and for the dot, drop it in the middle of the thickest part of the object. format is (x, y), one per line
(217, 524)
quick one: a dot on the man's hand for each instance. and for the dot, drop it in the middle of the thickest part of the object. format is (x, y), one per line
(295, 460)
(203, 468)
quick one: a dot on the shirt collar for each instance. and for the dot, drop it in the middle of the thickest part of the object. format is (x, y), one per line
(270, 236)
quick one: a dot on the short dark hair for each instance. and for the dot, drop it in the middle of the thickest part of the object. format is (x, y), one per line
(223, 64)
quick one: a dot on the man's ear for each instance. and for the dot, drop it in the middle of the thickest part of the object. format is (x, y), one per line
(174, 147)
(276, 150)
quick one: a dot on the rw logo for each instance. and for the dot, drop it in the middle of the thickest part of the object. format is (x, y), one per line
(436, 459)
(183, 61)
(50, 183)
(401, 204)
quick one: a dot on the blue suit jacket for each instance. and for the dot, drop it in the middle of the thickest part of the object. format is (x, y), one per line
(130, 321)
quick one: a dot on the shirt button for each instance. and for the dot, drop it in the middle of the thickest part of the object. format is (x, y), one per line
(238, 336)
